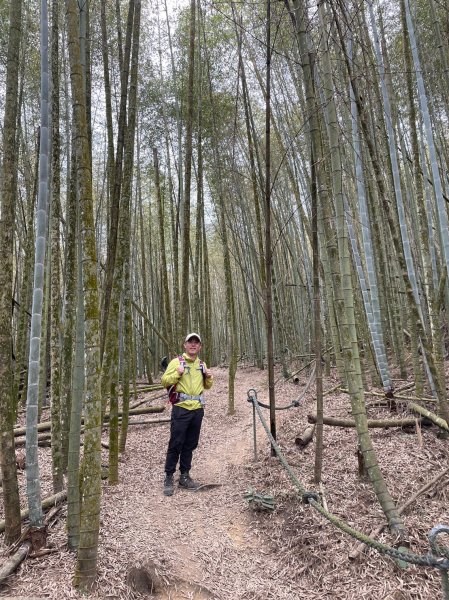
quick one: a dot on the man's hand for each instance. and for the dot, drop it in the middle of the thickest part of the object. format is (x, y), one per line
(181, 369)
(208, 373)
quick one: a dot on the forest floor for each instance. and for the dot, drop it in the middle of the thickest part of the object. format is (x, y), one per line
(211, 544)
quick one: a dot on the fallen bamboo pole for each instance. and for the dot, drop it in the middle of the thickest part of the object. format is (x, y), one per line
(46, 503)
(41, 437)
(429, 415)
(144, 400)
(144, 387)
(46, 437)
(372, 423)
(394, 397)
(46, 425)
(152, 422)
(149, 388)
(14, 561)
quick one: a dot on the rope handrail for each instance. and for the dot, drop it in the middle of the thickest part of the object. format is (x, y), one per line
(438, 557)
(294, 403)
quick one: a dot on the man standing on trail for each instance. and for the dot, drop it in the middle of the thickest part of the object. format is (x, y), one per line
(189, 377)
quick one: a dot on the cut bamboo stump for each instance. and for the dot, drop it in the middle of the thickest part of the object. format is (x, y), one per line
(305, 437)
(33, 540)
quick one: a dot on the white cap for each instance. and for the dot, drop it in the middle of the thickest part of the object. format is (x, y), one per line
(191, 335)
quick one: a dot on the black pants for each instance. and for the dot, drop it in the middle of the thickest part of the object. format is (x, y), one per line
(185, 430)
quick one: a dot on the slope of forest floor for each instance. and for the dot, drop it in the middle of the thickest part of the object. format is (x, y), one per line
(211, 544)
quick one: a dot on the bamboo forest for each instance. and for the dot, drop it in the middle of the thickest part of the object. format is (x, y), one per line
(266, 182)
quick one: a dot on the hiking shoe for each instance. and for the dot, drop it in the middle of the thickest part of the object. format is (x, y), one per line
(186, 482)
(169, 485)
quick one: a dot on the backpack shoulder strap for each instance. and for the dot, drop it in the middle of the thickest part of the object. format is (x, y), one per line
(203, 368)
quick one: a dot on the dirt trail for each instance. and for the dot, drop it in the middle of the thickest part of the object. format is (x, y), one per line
(194, 544)
(210, 542)
(210, 545)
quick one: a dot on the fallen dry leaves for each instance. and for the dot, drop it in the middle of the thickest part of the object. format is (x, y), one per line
(211, 545)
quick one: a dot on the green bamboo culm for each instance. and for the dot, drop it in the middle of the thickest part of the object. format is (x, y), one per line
(32, 466)
(7, 200)
(90, 481)
(55, 326)
(443, 221)
(77, 398)
(123, 256)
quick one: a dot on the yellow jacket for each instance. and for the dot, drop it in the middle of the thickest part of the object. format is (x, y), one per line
(191, 382)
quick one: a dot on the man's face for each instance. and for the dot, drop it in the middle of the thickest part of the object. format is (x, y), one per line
(192, 346)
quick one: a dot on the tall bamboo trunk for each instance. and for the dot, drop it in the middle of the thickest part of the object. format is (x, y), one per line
(118, 167)
(185, 213)
(111, 356)
(86, 567)
(55, 358)
(344, 306)
(7, 199)
(38, 322)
